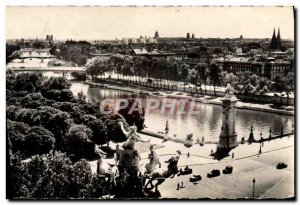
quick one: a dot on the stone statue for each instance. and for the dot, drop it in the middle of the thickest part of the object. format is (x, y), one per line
(132, 137)
(228, 91)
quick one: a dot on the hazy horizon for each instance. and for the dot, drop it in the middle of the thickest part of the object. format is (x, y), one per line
(109, 23)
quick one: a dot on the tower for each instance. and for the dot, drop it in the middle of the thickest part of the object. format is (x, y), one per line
(278, 45)
(228, 136)
(156, 35)
(273, 41)
(188, 35)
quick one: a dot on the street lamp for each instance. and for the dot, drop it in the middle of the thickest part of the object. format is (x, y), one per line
(253, 186)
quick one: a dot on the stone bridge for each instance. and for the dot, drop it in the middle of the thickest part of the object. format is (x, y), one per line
(33, 53)
(64, 70)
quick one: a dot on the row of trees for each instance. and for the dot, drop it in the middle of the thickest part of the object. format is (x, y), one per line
(49, 133)
(169, 72)
(75, 53)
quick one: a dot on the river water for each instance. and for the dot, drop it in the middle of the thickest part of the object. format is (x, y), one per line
(207, 124)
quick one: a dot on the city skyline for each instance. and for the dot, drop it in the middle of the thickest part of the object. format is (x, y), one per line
(82, 23)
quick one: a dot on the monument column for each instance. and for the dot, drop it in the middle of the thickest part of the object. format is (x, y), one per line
(228, 136)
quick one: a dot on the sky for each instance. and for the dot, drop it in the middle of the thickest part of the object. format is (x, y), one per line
(96, 23)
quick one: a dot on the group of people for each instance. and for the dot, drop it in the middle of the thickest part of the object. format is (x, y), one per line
(126, 163)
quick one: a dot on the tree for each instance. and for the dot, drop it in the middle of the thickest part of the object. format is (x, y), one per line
(16, 132)
(55, 121)
(46, 176)
(58, 95)
(56, 83)
(98, 127)
(34, 100)
(114, 131)
(38, 141)
(96, 66)
(77, 142)
(31, 82)
(135, 117)
(214, 74)
(285, 84)
(290, 85)
(204, 75)
(80, 178)
(184, 74)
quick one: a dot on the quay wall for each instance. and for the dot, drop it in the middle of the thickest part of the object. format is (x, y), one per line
(218, 93)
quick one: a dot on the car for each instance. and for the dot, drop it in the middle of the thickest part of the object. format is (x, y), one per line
(195, 178)
(281, 165)
(213, 173)
(185, 171)
(228, 170)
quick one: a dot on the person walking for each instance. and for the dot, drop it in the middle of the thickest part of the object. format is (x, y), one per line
(178, 186)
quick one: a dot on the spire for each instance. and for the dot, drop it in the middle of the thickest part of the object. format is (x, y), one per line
(278, 40)
(274, 34)
(273, 41)
(278, 34)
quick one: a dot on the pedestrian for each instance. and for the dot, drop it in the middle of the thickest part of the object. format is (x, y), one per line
(188, 155)
(259, 152)
(182, 185)
(178, 186)
(232, 155)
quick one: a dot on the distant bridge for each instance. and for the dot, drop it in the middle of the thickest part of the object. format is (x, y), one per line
(64, 70)
(33, 53)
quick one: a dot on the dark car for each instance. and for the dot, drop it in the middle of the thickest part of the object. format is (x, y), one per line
(185, 171)
(195, 178)
(228, 170)
(213, 173)
(281, 165)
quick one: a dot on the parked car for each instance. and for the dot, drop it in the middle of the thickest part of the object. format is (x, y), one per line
(228, 170)
(213, 173)
(195, 178)
(281, 165)
(185, 171)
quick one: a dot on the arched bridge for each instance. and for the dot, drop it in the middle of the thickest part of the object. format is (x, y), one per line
(33, 53)
(64, 70)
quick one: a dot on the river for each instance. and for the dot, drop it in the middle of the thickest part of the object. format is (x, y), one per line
(207, 124)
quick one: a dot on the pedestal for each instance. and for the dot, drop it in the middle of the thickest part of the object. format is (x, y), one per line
(228, 136)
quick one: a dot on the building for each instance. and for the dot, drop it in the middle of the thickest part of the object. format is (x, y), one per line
(152, 55)
(49, 38)
(156, 35)
(141, 40)
(188, 35)
(276, 41)
(270, 67)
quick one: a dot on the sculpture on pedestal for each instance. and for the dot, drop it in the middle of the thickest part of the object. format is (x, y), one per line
(228, 136)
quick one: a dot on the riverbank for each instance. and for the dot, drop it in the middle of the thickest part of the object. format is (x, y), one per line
(184, 95)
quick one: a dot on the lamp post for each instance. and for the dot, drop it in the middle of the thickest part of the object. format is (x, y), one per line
(167, 127)
(253, 186)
